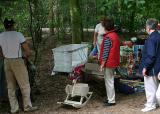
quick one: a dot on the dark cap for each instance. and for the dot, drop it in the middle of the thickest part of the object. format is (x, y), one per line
(8, 23)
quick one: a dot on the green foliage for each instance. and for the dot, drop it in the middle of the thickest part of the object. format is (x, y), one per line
(89, 15)
(128, 14)
(18, 11)
(124, 12)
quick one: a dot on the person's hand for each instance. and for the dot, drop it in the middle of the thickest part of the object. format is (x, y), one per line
(159, 76)
(94, 43)
(101, 68)
(144, 72)
(27, 51)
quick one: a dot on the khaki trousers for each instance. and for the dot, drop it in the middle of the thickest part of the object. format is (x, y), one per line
(16, 73)
(109, 83)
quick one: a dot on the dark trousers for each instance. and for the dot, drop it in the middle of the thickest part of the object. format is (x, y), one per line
(3, 91)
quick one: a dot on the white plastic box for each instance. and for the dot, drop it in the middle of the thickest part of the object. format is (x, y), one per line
(67, 57)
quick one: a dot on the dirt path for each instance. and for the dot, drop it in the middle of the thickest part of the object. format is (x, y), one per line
(52, 90)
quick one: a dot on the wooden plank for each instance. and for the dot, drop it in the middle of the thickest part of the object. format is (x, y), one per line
(91, 72)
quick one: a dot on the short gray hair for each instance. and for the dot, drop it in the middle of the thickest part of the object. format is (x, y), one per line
(152, 23)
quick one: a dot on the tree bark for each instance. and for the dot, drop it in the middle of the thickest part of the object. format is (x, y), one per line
(1, 14)
(76, 20)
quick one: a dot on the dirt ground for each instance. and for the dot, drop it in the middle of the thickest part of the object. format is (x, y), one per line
(52, 91)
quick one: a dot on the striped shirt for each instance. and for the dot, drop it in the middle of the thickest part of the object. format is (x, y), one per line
(107, 45)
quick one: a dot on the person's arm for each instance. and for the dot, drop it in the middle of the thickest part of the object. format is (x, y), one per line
(95, 35)
(27, 51)
(107, 45)
(159, 75)
(151, 53)
(151, 56)
(1, 53)
(24, 45)
(95, 38)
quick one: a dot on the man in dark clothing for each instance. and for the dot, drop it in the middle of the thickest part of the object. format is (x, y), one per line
(3, 92)
(150, 64)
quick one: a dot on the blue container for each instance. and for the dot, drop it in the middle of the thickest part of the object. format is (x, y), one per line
(135, 50)
(126, 89)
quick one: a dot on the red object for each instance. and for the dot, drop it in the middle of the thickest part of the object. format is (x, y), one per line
(78, 69)
(77, 73)
(127, 43)
(158, 26)
(131, 63)
(113, 60)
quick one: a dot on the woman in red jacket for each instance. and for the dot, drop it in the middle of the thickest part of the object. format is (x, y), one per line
(109, 59)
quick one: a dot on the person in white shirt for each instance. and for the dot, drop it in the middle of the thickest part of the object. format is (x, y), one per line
(11, 43)
(98, 34)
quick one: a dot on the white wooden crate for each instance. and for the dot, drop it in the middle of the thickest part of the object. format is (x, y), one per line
(67, 57)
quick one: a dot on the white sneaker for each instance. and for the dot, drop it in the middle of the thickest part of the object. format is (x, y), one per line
(146, 109)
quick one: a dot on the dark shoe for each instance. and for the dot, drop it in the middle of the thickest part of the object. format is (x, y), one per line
(110, 104)
(30, 109)
(105, 101)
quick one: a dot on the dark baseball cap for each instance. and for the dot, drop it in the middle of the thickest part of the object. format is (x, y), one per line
(8, 22)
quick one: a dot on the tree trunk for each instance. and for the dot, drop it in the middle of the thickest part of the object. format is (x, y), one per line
(35, 27)
(76, 20)
(51, 17)
(54, 16)
(1, 15)
(132, 18)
